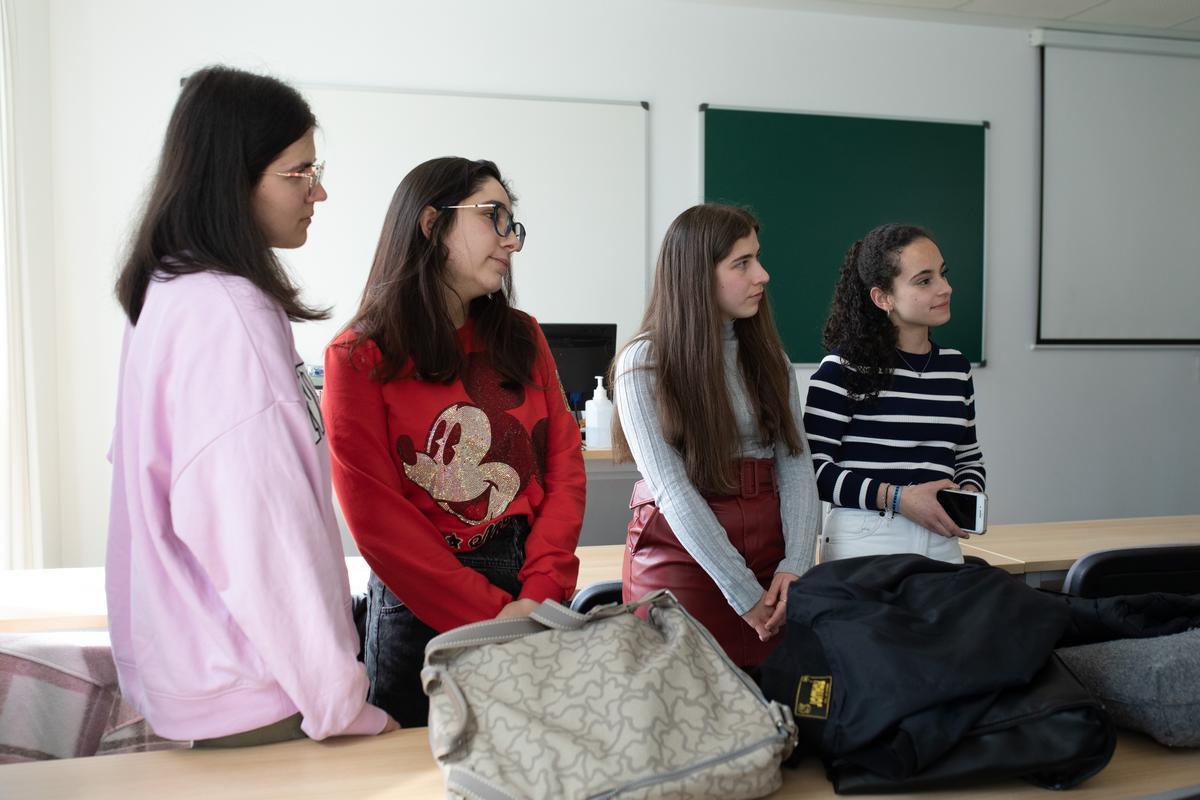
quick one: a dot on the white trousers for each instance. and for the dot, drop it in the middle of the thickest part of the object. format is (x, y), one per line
(851, 532)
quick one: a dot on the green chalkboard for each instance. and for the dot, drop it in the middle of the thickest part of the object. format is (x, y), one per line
(819, 182)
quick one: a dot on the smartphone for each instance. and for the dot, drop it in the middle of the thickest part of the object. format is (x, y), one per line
(967, 509)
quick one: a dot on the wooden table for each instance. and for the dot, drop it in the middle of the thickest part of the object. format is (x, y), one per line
(399, 765)
(603, 563)
(73, 599)
(1010, 565)
(1048, 549)
(64, 599)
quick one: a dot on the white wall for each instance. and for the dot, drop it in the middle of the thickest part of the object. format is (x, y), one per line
(1077, 434)
(32, 87)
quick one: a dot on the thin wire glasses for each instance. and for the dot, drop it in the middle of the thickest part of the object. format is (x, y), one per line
(314, 173)
(502, 221)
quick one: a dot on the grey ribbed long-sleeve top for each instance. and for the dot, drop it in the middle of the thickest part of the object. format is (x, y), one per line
(686, 511)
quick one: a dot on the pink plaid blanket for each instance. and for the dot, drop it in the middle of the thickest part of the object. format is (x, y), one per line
(59, 699)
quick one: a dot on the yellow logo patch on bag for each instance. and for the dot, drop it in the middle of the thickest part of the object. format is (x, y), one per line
(812, 696)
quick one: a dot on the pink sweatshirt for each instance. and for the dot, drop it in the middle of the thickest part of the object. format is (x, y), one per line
(228, 599)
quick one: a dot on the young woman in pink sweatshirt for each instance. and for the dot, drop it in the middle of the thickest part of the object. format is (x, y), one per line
(228, 600)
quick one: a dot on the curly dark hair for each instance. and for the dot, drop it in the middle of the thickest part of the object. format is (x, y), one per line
(858, 330)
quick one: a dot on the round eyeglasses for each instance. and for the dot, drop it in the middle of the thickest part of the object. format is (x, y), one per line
(313, 172)
(502, 221)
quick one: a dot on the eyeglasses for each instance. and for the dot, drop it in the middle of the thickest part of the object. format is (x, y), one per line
(314, 173)
(502, 221)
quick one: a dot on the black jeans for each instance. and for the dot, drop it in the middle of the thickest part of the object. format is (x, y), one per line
(394, 646)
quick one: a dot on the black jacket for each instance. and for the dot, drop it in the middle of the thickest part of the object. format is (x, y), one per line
(889, 660)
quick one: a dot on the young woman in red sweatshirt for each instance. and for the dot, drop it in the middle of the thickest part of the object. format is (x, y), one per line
(455, 458)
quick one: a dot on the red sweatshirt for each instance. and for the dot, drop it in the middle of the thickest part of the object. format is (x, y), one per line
(424, 470)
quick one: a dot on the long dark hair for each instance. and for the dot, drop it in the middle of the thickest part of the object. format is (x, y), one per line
(683, 326)
(227, 127)
(403, 308)
(858, 330)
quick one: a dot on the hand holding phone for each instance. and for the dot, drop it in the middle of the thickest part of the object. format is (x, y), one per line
(919, 503)
(968, 510)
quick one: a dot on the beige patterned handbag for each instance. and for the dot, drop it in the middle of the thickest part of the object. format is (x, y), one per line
(599, 705)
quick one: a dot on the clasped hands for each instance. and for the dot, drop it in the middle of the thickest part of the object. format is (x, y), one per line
(768, 614)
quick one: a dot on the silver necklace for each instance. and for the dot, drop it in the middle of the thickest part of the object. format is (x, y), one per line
(920, 372)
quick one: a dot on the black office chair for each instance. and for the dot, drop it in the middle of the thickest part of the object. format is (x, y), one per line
(597, 594)
(1173, 568)
(976, 560)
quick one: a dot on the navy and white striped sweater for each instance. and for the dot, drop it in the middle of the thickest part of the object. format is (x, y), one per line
(920, 429)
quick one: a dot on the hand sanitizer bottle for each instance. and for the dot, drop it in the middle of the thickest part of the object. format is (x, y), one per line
(597, 418)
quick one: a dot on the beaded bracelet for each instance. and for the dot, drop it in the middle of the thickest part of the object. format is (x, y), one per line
(896, 501)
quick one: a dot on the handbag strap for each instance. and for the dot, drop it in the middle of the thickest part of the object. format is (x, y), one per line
(549, 615)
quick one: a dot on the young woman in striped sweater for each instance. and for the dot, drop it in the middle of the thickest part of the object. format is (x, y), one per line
(890, 414)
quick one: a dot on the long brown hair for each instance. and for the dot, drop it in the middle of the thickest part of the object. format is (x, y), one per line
(403, 308)
(227, 127)
(683, 326)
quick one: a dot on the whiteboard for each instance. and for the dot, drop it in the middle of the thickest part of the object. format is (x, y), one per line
(577, 168)
(1120, 259)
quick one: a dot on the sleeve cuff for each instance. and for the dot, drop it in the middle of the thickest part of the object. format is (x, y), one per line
(744, 598)
(970, 476)
(370, 721)
(541, 588)
(795, 566)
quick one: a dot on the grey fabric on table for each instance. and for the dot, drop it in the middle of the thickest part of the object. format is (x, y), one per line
(1149, 685)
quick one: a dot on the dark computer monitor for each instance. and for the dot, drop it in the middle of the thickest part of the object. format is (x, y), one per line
(581, 351)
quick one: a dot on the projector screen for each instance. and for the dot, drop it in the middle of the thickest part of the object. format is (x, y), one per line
(1120, 259)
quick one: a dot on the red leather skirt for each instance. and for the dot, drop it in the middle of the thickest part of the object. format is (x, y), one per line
(654, 558)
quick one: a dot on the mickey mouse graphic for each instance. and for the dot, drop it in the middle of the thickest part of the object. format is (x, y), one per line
(477, 457)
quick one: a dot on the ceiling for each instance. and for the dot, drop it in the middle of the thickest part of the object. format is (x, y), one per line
(1166, 18)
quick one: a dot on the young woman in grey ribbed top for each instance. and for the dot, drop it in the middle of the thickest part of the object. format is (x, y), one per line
(707, 405)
